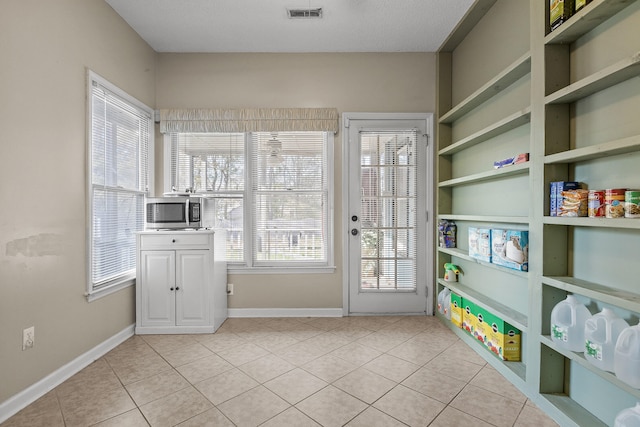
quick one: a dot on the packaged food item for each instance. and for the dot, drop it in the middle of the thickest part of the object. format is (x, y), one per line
(559, 11)
(614, 202)
(480, 243)
(557, 187)
(595, 204)
(632, 204)
(520, 158)
(447, 234)
(574, 203)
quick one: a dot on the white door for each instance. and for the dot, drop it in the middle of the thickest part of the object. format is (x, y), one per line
(192, 287)
(157, 284)
(388, 181)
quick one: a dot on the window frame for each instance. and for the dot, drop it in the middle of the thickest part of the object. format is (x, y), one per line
(250, 265)
(125, 279)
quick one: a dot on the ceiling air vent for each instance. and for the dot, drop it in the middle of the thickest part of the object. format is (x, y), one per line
(305, 13)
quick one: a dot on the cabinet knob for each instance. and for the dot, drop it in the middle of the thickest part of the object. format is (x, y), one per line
(177, 288)
(170, 289)
(173, 240)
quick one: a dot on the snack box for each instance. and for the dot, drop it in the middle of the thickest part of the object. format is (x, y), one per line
(510, 248)
(480, 243)
(501, 338)
(456, 309)
(555, 194)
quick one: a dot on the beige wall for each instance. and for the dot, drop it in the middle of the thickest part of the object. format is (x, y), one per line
(45, 47)
(362, 82)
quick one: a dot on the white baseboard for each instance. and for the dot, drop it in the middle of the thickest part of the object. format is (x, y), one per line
(285, 312)
(14, 404)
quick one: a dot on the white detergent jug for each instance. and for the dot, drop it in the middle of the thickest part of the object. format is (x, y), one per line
(601, 333)
(627, 356)
(567, 324)
(629, 417)
(444, 302)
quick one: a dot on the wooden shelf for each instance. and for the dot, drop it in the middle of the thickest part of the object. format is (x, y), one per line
(466, 24)
(623, 223)
(605, 78)
(623, 299)
(512, 73)
(463, 254)
(573, 411)
(611, 148)
(520, 169)
(516, 372)
(486, 218)
(505, 125)
(580, 359)
(507, 314)
(586, 20)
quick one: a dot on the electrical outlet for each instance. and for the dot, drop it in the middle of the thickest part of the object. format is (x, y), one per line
(229, 288)
(28, 338)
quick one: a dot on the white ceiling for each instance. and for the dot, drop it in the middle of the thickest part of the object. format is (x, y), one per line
(263, 25)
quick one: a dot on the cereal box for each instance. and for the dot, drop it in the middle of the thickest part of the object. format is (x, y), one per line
(480, 243)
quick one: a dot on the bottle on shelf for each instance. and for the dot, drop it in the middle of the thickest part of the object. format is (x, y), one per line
(444, 302)
(627, 356)
(601, 332)
(629, 417)
(567, 324)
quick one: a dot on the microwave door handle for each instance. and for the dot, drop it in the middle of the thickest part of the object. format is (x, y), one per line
(186, 211)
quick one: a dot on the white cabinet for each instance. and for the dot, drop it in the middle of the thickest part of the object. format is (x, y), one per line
(181, 282)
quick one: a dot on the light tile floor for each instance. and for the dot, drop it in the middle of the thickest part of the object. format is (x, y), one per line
(352, 371)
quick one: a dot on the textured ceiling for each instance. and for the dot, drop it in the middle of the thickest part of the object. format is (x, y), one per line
(263, 25)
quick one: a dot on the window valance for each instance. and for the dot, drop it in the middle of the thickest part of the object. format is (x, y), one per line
(249, 120)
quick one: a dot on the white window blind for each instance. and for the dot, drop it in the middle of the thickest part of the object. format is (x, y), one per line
(213, 165)
(119, 143)
(290, 195)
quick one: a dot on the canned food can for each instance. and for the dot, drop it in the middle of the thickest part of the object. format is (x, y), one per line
(596, 203)
(614, 203)
(632, 204)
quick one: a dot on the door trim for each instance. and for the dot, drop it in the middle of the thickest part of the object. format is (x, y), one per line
(429, 196)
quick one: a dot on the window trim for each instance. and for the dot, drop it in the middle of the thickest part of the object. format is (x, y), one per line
(247, 266)
(127, 280)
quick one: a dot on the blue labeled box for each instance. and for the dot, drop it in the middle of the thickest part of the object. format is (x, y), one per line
(480, 243)
(510, 248)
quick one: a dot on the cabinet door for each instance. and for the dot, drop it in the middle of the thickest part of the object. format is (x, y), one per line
(192, 287)
(157, 286)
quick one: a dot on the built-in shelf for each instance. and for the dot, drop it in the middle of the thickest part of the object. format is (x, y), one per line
(586, 20)
(620, 298)
(466, 24)
(463, 254)
(624, 223)
(487, 218)
(498, 128)
(516, 372)
(507, 314)
(572, 410)
(605, 78)
(507, 171)
(510, 75)
(580, 359)
(611, 148)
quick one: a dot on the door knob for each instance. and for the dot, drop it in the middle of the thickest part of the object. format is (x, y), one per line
(354, 231)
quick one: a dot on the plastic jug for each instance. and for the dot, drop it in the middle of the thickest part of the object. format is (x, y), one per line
(444, 302)
(629, 417)
(627, 356)
(567, 324)
(601, 333)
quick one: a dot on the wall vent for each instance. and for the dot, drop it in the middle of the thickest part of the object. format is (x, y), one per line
(305, 13)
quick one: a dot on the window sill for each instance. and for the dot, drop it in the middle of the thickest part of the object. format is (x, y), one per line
(110, 289)
(233, 269)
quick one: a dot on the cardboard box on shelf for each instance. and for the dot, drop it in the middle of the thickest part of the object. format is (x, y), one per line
(480, 243)
(456, 309)
(510, 248)
(502, 339)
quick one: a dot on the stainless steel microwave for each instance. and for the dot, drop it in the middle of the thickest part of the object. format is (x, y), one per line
(178, 212)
